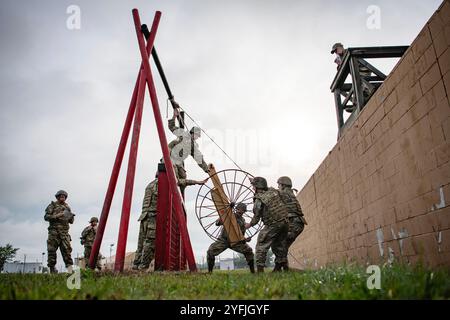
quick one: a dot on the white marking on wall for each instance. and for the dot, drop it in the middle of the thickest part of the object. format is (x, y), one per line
(401, 235)
(391, 255)
(439, 241)
(441, 204)
(380, 239)
(393, 234)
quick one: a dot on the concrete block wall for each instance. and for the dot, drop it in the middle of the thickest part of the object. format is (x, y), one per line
(383, 192)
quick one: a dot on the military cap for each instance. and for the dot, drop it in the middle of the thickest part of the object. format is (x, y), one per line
(285, 180)
(259, 182)
(335, 46)
(61, 193)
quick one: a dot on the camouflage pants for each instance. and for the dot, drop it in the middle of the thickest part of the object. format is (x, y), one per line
(296, 227)
(181, 174)
(146, 244)
(220, 246)
(273, 236)
(87, 254)
(58, 239)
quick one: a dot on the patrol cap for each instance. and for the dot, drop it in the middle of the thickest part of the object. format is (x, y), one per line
(285, 180)
(93, 219)
(61, 193)
(335, 46)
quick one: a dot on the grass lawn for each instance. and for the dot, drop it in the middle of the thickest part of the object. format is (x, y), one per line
(346, 282)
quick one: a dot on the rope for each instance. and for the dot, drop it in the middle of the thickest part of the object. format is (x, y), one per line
(206, 134)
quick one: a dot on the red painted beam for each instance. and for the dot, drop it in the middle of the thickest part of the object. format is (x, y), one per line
(162, 221)
(162, 138)
(129, 184)
(113, 179)
(116, 169)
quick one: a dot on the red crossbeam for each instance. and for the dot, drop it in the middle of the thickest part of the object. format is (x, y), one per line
(173, 242)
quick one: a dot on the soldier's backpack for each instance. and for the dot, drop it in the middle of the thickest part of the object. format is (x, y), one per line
(276, 207)
(292, 204)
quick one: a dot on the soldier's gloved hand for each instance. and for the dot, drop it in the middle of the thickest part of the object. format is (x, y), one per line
(59, 215)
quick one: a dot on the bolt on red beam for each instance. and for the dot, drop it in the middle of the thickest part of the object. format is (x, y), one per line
(162, 138)
(116, 167)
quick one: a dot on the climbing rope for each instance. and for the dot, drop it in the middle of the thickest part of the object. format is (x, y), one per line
(206, 134)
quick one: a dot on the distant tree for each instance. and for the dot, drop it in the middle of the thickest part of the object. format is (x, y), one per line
(7, 253)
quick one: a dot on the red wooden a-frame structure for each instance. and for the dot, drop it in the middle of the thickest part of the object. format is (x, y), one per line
(173, 247)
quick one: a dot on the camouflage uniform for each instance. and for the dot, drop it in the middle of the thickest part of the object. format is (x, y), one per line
(223, 243)
(58, 233)
(87, 239)
(146, 243)
(364, 72)
(269, 207)
(180, 144)
(295, 215)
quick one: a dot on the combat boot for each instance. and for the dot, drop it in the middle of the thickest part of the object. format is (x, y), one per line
(277, 267)
(53, 270)
(251, 265)
(260, 269)
(210, 266)
(69, 269)
(285, 266)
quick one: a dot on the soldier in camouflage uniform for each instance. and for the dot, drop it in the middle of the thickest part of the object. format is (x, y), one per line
(146, 243)
(297, 221)
(59, 215)
(223, 242)
(183, 146)
(364, 72)
(87, 240)
(269, 207)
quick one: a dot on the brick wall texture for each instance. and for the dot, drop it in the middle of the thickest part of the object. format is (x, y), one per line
(383, 193)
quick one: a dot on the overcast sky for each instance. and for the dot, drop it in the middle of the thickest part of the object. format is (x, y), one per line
(254, 74)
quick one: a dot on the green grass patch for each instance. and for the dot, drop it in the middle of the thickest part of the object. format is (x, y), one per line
(344, 282)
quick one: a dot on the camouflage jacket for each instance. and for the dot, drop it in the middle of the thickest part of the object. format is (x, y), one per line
(268, 207)
(240, 221)
(149, 205)
(184, 142)
(61, 223)
(292, 204)
(88, 236)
